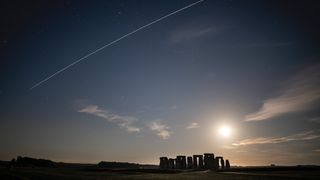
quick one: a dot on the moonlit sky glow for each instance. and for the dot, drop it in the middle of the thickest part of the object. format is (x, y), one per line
(225, 131)
(240, 79)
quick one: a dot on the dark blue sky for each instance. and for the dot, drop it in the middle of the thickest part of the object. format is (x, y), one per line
(252, 66)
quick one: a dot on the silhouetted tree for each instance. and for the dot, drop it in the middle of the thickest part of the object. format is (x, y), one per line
(27, 161)
(11, 163)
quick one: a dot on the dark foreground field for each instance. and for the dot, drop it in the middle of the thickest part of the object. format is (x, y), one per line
(80, 173)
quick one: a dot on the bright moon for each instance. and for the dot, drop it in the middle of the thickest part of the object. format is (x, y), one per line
(225, 131)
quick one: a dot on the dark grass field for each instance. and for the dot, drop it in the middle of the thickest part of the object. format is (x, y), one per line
(84, 173)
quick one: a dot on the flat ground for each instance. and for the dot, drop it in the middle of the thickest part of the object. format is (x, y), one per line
(72, 173)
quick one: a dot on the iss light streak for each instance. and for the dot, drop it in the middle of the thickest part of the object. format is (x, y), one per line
(113, 42)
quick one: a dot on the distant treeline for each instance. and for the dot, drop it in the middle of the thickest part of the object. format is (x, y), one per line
(33, 162)
(27, 161)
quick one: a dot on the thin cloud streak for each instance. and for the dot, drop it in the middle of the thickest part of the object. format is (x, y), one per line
(193, 125)
(188, 34)
(309, 135)
(161, 130)
(317, 150)
(121, 121)
(113, 42)
(266, 45)
(174, 107)
(302, 92)
(315, 120)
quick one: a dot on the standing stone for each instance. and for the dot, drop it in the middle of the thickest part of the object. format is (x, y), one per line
(181, 162)
(201, 161)
(195, 163)
(178, 162)
(209, 161)
(190, 163)
(227, 164)
(216, 163)
(184, 162)
(222, 163)
(171, 163)
(198, 161)
(164, 164)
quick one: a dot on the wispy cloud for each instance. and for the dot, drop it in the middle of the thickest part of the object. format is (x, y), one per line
(121, 121)
(315, 120)
(187, 34)
(193, 125)
(316, 150)
(162, 130)
(174, 107)
(309, 135)
(266, 44)
(303, 90)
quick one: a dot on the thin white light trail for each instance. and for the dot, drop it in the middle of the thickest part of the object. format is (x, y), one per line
(111, 43)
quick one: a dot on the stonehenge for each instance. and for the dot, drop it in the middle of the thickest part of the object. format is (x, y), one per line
(205, 161)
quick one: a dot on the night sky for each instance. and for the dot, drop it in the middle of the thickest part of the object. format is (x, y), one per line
(250, 66)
